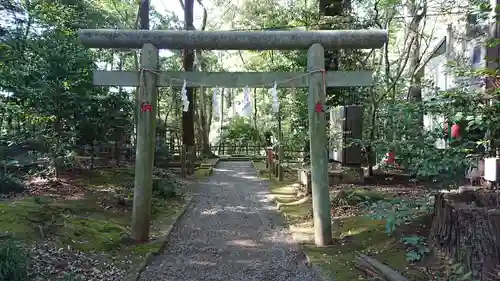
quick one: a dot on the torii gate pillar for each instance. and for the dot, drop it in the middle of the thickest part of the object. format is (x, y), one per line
(147, 103)
(318, 144)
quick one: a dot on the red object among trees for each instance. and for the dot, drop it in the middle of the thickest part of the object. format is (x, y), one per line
(455, 131)
(391, 157)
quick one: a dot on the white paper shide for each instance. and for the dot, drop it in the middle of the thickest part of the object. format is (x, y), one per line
(246, 109)
(185, 101)
(274, 95)
(215, 102)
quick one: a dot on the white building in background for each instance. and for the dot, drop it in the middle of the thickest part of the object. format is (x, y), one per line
(463, 41)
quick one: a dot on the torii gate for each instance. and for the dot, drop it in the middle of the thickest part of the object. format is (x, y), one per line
(149, 78)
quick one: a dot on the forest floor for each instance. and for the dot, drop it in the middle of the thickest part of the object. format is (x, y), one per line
(78, 226)
(361, 223)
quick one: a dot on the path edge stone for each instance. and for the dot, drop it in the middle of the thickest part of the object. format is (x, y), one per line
(323, 276)
(136, 273)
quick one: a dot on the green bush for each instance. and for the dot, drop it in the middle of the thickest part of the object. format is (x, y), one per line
(13, 263)
(9, 184)
(164, 189)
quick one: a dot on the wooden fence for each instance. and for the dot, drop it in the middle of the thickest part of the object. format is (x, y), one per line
(253, 150)
(113, 151)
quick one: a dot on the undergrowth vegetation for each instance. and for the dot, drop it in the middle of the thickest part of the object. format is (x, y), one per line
(390, 223)
(14, 264)
(77, 220)
(10, 184)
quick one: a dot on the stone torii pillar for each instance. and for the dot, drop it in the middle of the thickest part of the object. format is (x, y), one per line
(315, 79)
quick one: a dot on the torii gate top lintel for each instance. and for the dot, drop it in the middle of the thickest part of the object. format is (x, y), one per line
(233, 40)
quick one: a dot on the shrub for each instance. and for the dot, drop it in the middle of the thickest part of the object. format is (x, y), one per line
(13, 263)
(164, 189)
(9, 184)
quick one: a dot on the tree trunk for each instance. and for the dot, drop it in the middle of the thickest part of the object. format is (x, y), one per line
(188, 117)
(466, 228)
(416, 13)
(205, 150)
(371, 157)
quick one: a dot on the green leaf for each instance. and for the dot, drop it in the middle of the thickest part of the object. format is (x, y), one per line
(413, 256)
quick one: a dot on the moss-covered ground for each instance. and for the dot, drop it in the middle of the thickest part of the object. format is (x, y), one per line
(353, 231)
(206, 168)
(89, 213)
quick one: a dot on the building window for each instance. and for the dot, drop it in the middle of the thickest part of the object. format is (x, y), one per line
(476, 55)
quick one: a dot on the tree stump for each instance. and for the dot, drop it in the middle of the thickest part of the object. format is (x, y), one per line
(466, 228)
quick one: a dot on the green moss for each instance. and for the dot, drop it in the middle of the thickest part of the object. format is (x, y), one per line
(298, 213)
(354, 234)
(163, 209)
(361, 234)
(201, 173)
(88, 234)
(354, 196)
(86, 223)
(145, 249)
(18, 218)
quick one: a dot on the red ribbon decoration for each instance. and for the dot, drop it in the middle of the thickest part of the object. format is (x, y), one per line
(146, 107)
(318, 108)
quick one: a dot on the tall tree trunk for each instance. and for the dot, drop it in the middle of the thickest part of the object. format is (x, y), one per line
(210, 109)
(202, 108)
(416, 12)
(188, 117)
(203, 124)
(493, 56)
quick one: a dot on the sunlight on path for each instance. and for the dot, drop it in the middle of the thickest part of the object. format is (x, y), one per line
(230, 232)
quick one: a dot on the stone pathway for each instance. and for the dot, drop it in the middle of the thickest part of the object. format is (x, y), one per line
(230, 232)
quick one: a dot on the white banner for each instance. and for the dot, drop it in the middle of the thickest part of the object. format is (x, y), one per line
(215, 103)
(246, 109)
(274, 95)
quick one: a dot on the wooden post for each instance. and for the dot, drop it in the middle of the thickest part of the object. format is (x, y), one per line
(317, 136)
(182, 154)
(280, 149)
(270, 161)
(221, 145)
(146, 126)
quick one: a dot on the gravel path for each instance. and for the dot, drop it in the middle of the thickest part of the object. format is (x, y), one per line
(230, 232)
